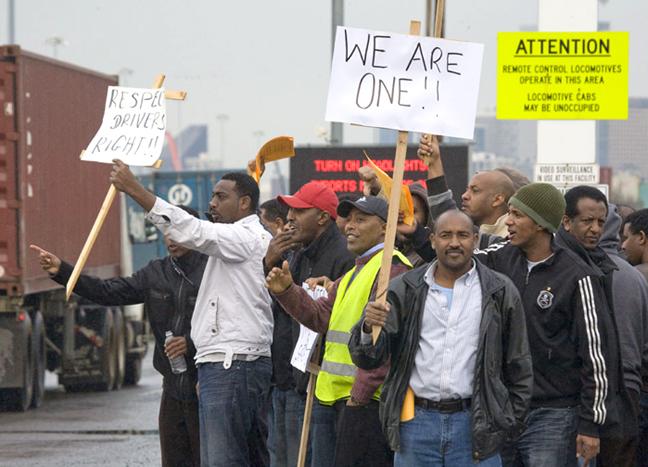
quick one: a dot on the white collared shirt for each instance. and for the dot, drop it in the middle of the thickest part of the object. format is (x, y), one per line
(232, 313)
(444, 364)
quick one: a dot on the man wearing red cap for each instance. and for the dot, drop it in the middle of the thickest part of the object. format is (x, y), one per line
(346, 396)
(311, 216)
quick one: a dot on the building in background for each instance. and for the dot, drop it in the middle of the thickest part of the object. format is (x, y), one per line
(623, 144)
(511, 143)
(188, 151)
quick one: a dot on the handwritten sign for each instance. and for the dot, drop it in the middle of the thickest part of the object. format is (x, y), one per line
(307, 338)
(562, 75)
(132, 128)
(407, 83)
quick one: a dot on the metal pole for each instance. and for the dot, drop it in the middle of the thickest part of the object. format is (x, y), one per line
(337, 19)
(12, 21)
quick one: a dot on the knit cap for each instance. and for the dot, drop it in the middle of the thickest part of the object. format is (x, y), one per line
(542, 202)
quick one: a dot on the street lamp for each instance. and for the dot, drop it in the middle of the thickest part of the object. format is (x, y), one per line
(222, 119)
(56, 42)
(124, 73)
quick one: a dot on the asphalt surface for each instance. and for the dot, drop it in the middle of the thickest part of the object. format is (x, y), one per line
(117, 428)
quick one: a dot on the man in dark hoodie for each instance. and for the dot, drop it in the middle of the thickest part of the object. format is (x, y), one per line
(582, 232)
(635, 247)
(312, 211)
(168, 287)
(422, 216)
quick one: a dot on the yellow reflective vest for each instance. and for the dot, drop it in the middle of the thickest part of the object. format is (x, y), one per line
(337, 373)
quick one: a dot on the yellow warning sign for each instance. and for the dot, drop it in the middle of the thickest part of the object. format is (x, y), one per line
(562, 75)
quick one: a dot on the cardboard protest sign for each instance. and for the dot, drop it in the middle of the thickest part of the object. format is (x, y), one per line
(307, 338)
(404, 82)
(406, 205)
(276, 149)
(132, 129)
(562, 75)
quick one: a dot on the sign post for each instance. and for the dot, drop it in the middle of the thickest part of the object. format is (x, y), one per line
(407, 83)
(132, 122)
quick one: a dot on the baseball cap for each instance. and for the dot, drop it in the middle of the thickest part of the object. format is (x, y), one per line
(371, 205)
(313, 195)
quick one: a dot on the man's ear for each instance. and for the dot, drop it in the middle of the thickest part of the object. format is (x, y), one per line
(431, 237)
(323, 218)
(498, 200)
(245, 202)
(642, 237)
(566, 222)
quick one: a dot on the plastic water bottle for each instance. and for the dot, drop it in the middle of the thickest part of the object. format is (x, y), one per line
(178, 364)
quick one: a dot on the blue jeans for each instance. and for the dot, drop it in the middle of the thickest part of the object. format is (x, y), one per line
(233, 428)
(285, 420)
(548, 441)
(438, 439)
(323, 434)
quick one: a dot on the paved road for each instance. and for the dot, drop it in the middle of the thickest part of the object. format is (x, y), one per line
(116, 428)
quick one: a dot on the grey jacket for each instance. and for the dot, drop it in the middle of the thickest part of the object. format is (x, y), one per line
(630, 295)
(503, 373)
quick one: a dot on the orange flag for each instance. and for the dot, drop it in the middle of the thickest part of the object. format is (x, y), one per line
(406, 203)
(277, 148)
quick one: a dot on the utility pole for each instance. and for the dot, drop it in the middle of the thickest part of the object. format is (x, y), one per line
(222, 118)
(11, 6)
(337, 19)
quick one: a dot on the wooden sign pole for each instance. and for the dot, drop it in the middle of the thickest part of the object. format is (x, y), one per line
(105, 207)
(394, 200)
(308, 410)
(392, 214)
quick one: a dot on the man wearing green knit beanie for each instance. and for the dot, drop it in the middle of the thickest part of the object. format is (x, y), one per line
(568, 325)
(542, 202)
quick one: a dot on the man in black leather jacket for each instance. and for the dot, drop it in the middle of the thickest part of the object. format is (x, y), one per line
(168, 288)
(482, 388)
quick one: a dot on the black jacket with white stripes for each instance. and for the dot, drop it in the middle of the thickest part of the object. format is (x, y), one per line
(571, 333)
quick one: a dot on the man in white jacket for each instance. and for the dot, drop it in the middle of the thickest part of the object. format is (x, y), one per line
(232, 322)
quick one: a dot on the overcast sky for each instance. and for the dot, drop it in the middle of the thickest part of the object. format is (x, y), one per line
(265, 63)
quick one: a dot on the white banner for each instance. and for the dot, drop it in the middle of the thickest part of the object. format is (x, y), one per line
(132, 129)
(307, 338)
(409, 83)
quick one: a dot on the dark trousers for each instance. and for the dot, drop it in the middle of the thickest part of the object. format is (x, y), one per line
(285, 420)
(642, 448)
(360, 441)
(622, 451)
(179, 432)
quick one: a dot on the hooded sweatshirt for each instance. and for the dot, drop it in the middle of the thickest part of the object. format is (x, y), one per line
(630, 292)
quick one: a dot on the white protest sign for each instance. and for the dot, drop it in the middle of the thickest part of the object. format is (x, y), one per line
(307, 338)
(407, 83)
(132, 129)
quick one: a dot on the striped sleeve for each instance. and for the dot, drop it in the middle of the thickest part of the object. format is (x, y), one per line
(594, 379)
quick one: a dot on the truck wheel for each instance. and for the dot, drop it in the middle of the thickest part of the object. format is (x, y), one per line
(106, 353)
(39, 357)
(133, 370)
(120, 348)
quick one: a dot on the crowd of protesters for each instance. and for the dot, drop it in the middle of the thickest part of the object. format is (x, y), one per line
(514, 330)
